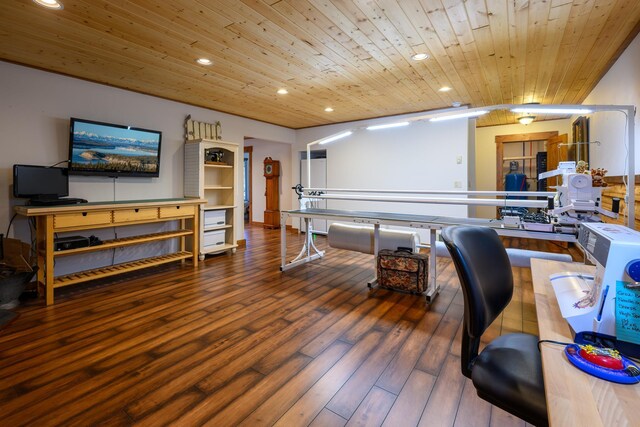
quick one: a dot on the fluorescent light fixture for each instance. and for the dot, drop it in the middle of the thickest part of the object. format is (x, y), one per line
(459, 115)
(420, 56)
(204, 61)
(282, 91)
(388, 125)
(49, 4)
(526, 120)
(551, 110)
(336, 137)
(328, 109)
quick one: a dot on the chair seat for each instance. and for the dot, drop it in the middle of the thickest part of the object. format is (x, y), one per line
(508, 374)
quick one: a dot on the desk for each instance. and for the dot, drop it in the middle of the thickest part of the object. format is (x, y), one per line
(88, 216)
(575, 398)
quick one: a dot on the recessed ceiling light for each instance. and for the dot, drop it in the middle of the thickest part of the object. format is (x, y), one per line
(420, 56)
(328, 109)
(204, 61)
(282, 91)
(444, 89)
(49, 4)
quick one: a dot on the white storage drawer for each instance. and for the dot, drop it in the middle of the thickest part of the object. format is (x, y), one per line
(214, 218)
(213, 238)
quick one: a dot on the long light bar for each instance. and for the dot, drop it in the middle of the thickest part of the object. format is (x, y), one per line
(551, 110)
(440, 200)
(335, 137)
(309, 191)
(387, 126)
(459, 116)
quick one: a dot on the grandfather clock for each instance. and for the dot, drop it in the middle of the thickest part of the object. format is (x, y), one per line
(272, 176)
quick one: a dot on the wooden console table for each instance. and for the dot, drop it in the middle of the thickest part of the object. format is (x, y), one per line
(88, 216)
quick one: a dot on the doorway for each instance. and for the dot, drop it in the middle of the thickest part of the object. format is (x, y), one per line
(522, 148)
(248, 196)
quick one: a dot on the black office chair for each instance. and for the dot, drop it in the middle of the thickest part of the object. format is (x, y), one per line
(508, 371)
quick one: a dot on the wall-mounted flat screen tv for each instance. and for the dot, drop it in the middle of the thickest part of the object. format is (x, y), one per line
(97, 148)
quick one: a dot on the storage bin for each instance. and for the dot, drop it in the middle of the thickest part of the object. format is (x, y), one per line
(213, 238)
(214, 218)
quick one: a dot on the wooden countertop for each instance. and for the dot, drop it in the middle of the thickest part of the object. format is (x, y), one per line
(575, 398)
(92, 206)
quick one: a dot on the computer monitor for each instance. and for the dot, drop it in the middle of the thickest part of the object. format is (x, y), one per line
(40, 182)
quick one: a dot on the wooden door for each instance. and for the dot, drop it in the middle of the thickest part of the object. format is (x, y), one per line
(557, 151)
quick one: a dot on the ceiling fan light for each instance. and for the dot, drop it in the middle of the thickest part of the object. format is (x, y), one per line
(526, 120)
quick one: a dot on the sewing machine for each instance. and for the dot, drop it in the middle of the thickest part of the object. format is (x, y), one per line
(588, 303)
(576, 200)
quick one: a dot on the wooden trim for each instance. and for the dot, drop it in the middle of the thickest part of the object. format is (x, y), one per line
(249, 149)
(618, 179)
(515, 138)
(520, 137)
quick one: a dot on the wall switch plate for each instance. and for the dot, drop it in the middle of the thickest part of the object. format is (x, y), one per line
(457, 184)
(459, 160)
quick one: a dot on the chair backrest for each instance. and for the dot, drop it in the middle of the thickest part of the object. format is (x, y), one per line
(485, 275)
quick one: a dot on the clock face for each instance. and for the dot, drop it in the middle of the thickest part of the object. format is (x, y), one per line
(268, 169)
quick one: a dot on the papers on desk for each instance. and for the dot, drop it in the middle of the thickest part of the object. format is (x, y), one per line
(627, 313)
(576, 293)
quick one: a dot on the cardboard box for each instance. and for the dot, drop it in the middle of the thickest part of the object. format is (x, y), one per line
(214, 238)
(16, 254)
(214, 218)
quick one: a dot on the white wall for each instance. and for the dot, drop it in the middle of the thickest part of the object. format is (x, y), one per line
(277, 151)
(421, 156)
(620, 86)
(35, 107)
(486, 153)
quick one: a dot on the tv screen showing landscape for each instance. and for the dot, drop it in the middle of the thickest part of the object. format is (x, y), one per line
(97, 148)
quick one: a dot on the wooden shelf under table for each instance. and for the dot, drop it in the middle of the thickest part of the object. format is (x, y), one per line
(126, 241)
(98, 273)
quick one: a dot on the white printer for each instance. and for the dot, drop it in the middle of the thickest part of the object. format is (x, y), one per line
(588, 303)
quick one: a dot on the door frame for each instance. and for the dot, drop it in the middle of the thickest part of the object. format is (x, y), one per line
(249, 149)
(519, 137)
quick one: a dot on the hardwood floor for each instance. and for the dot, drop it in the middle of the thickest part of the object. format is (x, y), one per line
(237, 342)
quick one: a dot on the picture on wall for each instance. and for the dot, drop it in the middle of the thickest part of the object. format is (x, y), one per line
(580, 148)
(102, 148)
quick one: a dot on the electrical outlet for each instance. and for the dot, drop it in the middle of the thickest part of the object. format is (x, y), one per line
(459, 160)
(457, 184)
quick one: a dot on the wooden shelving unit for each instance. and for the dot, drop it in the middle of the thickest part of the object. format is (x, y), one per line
(89, 216)
(217, 183)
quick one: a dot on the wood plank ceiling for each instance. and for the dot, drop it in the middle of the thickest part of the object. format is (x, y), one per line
(353, 56)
